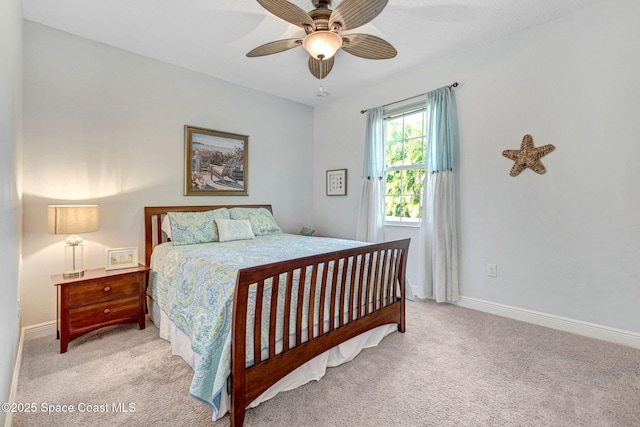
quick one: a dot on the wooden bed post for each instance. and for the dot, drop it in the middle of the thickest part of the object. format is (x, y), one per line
(238, 358)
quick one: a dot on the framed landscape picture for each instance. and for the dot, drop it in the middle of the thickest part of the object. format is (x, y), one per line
(215, 162)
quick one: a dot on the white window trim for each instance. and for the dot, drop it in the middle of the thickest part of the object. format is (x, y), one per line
(410, 106)
(407, 224)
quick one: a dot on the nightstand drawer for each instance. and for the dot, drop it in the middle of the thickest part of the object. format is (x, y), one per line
(103, 313)
(99, 291)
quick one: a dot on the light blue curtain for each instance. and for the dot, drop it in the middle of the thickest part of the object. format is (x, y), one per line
(438, 232)
(370, 225)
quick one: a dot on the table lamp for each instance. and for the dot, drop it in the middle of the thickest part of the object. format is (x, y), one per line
(72, 220)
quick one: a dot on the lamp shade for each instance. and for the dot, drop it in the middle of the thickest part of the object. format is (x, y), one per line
(322, 44)
(73, 219)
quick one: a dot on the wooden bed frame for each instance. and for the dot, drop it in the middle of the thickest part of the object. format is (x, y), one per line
(377, 270)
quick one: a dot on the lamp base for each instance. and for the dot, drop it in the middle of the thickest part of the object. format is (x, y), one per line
(73, 262)
(73, 274)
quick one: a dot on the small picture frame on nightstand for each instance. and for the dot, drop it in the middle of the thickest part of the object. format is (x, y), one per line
(122, 258)
(337, 182)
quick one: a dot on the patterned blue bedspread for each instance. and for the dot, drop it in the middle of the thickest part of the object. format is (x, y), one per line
(194, 286)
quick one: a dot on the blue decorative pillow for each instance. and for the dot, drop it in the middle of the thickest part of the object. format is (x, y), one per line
(188, 228)
(262, 222)
(234, 229)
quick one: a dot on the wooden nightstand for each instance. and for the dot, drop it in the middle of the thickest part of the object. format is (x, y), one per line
(100, 298)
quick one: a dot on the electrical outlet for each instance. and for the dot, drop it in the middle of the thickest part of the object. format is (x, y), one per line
(492, 270)
(18, 308)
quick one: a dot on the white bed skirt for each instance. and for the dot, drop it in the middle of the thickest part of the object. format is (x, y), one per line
(312, 370)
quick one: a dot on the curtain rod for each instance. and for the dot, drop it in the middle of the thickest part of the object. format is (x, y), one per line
(452, 85)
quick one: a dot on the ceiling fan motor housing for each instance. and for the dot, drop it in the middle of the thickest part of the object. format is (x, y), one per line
(320, 18)
(321, 3)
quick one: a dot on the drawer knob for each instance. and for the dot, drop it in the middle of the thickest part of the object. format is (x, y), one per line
(106, 311)
(107, 289)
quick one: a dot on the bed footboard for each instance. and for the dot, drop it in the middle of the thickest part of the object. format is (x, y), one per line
(287, 313)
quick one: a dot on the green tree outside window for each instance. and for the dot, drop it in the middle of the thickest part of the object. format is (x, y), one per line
(405, 165)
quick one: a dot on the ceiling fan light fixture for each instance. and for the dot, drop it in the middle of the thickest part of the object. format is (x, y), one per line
(322, 44)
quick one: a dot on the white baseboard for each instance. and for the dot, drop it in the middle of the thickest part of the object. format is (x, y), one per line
(47, 329)
(8, 419)
(591, 330)
(26, 333)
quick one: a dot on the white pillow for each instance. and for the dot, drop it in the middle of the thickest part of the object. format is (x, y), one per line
(234, 229)
(166, 226)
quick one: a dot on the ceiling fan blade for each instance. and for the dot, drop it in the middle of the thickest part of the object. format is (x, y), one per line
(320, 69)
(289, 12)
(275, 47)
(353, 13)
(368, 46)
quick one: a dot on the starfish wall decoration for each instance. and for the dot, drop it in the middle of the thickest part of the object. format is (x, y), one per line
(528, 156)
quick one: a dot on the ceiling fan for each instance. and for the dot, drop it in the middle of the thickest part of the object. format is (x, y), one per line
(323, 26)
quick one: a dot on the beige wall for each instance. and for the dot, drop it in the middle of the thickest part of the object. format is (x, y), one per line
(105, 126)
(566, 242)
(10, 191)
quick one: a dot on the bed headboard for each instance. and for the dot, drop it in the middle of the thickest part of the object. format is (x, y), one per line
(153, 216)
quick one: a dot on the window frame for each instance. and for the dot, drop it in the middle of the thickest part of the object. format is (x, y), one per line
(395, 111)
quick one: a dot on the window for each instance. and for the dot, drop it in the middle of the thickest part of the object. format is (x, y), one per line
(405, 157)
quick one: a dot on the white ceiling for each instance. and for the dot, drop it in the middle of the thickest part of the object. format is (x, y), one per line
(213, 36)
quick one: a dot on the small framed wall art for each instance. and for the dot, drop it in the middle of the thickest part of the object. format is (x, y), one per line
(337, 182)
(215, 162)
(122, 258)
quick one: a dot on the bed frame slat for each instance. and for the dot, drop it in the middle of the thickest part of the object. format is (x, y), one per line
(323, 297)
(352, 288)
(257, 329)
(312, 301)
(300, 305)
(273, 316)
(370, 278)
(343, 292)
(287, 311)
(332, 302)
(361, 281)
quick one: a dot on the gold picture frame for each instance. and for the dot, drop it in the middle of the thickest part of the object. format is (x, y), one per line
(337, 182)
(216, 163)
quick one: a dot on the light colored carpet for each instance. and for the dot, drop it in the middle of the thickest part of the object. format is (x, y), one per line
(453, 367)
